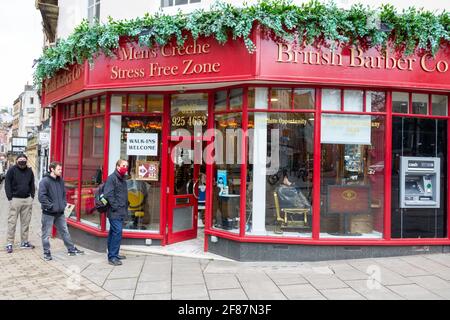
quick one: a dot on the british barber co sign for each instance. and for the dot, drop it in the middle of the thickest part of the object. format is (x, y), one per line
(354, 57)
(63, 79)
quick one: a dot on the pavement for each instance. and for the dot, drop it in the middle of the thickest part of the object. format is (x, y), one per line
(143, 276)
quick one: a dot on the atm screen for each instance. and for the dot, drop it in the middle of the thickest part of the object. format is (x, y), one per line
(413, 187)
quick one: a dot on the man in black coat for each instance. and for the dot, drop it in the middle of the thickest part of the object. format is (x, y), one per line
(52, 196)
(116, 193)
(20, 190)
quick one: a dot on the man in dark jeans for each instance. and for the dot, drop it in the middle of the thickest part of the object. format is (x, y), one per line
(116, 193)
(20, 190)
(52, 196)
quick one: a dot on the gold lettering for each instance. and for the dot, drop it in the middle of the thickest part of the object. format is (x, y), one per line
(440, 64)
(423, 63)
(356, 54)
(284, 49)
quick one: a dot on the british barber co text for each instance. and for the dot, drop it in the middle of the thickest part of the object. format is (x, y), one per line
(156, 69)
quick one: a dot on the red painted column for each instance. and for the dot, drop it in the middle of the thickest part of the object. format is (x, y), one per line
(107, 119)
(164, 168)
(316, 168)
(243, 191)
(388, 168)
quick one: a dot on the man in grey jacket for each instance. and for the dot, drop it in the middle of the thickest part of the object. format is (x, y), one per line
(52, 196)
(116, 193)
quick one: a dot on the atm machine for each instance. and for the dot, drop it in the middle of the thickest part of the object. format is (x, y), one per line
(419, 182)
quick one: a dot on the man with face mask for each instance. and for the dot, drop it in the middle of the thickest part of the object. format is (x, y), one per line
(116, 193)
(20, 190)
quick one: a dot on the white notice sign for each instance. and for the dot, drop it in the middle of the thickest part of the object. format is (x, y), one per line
(142, 144)
(345, 129)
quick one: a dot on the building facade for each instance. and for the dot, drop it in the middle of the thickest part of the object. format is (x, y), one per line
(288, 153)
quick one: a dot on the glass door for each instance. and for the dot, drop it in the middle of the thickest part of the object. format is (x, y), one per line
(183, 193)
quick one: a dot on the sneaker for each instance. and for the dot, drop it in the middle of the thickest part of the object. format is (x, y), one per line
(47, 256)
(121, 257)
(75, 252)
(9, 248)
(115, 262)
(26, 245)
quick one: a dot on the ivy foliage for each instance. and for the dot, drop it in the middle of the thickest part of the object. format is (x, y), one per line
(313, 23)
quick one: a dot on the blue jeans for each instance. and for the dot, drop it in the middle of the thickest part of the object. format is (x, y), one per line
(114, 237)
(61, 225)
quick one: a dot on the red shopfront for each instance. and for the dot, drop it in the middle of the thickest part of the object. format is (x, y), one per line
(288, 153)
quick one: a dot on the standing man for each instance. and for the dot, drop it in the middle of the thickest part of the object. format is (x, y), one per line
(52, 196)
(116, 193)
(20, 189)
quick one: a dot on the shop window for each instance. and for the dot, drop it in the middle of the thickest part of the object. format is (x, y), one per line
(439, 105)
(72, 111)
(144, 173)
(352, 176)
(120, 103)
(136, 103)
(419, 103)
(280, 98)
(71, 163)
(236, 98)
(92, 169)
(375, 101)
(424, 140)
(87, 107)
(279, 174)
(251, 98)
(331, 99)
(353, 100)
(155, 103)
(79, 108)
(102, 105)
(304, 98)
(220, 100)
(188, 111)
(400, 102)
(227, 172)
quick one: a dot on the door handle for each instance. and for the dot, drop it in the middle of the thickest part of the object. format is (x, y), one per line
(193, 189)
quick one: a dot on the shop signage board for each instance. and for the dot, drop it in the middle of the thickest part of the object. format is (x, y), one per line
(142, 144)
(147, 170)
(345, 129)
(204, 60)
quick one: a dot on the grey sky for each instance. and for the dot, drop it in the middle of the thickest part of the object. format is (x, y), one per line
(21, 41)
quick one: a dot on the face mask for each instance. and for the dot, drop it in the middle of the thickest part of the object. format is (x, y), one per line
(22, 163)
(122, 171)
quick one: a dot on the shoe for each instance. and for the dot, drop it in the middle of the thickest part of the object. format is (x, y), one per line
(26, 245)
(75, 251)
(9, 248)
(47, 256)
(115, 262)
(121, 257)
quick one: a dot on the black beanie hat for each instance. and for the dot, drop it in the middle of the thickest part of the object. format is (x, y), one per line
(22, 155)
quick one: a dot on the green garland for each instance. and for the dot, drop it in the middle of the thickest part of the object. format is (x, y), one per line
(311, 23)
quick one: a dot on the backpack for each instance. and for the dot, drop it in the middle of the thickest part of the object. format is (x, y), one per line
(101, 203)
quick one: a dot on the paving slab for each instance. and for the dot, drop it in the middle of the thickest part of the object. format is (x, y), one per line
(342, 294)
(190, 292)
(228, 294)
(373, 290)
(301, 292)
(414, 292)
(153, 287)
(221, 281)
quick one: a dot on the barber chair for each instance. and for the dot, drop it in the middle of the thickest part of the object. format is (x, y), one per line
(292, 209)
